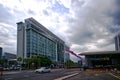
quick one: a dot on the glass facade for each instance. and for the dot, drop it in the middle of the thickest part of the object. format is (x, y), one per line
(38, 44)
(60, 51)
(35, 39)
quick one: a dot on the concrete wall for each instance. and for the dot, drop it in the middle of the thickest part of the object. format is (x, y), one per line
(20, 39)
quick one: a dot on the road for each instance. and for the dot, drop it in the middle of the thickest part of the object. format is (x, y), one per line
(55, 74)
(96, 76)
(31, 75)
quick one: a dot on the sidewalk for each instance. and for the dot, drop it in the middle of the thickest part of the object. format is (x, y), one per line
(96, 71)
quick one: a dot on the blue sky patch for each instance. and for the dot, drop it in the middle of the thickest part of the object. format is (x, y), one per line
(59, 8)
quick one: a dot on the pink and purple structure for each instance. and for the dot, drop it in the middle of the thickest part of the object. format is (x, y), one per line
(71, 52)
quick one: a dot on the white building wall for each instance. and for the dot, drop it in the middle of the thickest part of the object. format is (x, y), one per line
(20, 39)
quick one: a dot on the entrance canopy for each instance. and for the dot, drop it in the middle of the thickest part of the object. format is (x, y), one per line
(101, 52)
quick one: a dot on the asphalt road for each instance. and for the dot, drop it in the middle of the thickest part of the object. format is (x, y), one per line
(30, 75)
(55, 74)
(100, 76)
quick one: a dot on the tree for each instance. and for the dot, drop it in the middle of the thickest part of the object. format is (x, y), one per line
(19, 59)
(70, 64)
(45, 61)
(3, 61)
(41, 61)
(27, 62)
(37, 61)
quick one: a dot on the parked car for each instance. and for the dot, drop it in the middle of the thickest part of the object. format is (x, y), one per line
(1, 68)
(6, 68)
(43, 70)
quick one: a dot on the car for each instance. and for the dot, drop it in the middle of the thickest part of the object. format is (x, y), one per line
(1, 68)
(43, 70)
(6, 69)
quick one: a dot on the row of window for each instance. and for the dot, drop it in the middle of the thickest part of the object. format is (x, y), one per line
(35, 44)
(39, 44)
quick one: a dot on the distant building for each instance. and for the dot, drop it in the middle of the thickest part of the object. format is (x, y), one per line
(1, 51)
(9, 56)
(117, 42)
(34, 39)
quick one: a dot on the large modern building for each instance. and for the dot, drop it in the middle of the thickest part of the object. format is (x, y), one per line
(66, 54)
(117, 42)
(1, 51)
(34, 39)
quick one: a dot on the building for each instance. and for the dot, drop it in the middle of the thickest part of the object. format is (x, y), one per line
(66, 54)
(117, 42)
(9, 56)
(102, 59)
(1, 51)
(34, 39)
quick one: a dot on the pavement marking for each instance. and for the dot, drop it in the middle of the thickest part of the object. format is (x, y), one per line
(71, 72)
(10, 73)
(65, 77)
(96, 74)
(118, 77)
(26, 75)
(9, 79)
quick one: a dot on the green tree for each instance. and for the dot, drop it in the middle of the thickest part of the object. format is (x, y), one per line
(45, 61)
(37, 62)
(19, 59)
(41, 61)
(27, 62)
(70, 64)
(3, 61)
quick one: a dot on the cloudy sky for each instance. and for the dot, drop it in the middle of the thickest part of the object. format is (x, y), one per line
(85, 25)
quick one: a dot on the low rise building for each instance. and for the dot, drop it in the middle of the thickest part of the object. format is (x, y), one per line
(102, 59)
(9, 56)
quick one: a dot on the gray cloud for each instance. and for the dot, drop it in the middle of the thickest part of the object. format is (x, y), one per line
(8, 38)
(5, 15)
(8, 31)
(116, 17)
(31, 12)
(106, 43)
(46, 12)
(91, 24)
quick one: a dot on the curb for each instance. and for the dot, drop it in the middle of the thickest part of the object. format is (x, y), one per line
(114, 76)
(68, 76)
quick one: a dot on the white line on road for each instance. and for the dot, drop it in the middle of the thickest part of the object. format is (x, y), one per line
(10, 72)
(71, 72)
(26, 75)
(9, 79)
(65, 77)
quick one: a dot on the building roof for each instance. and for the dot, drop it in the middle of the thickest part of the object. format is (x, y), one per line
(44, 29)
(101, 52)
